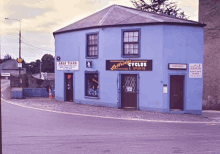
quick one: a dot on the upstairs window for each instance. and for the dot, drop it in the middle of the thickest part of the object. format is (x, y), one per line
(92, 45)
(131, 43)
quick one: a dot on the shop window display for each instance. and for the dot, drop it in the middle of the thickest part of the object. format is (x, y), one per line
(91, 84)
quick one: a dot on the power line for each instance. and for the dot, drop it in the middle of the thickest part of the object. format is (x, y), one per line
(35, 46)
(29, 46)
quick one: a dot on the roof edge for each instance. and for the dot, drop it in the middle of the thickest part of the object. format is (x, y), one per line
(134, 24)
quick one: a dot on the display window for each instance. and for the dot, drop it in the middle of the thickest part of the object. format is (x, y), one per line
(91, 84)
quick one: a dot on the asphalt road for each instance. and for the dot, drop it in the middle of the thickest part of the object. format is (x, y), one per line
(30, 131)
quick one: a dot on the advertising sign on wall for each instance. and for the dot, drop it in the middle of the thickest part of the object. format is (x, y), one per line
(195, 70)
(68, 65)
(129, 65)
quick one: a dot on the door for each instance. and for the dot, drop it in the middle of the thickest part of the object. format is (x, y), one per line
(176, 92)
(69, 86)
(129, 91)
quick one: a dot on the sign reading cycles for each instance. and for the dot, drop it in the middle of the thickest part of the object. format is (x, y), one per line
(129, 65)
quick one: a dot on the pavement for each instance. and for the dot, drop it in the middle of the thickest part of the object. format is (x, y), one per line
(53, 105)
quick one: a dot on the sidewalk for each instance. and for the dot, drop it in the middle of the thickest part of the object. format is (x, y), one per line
(70, 107)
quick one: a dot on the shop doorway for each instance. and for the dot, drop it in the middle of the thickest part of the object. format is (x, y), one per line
(69, 86)
(129, 91)
(176, 92)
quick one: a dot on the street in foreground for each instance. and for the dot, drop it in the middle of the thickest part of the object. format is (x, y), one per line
(28, 131)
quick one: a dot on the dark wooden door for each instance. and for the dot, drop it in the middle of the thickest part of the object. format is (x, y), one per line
(176, 91)
(69, 86)
(129, 90)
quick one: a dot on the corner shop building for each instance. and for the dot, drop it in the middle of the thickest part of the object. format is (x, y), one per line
(126, 58)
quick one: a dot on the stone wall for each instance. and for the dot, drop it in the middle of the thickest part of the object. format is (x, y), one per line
(39, 83)
(28, 81)
(209, 13)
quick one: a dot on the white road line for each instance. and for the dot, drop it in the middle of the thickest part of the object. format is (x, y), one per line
(107, 117)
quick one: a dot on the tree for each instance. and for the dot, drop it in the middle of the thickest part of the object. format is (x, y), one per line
(7, 57)
(160, 7)
(47, 63)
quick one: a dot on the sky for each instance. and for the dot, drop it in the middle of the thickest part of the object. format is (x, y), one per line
(40, 18)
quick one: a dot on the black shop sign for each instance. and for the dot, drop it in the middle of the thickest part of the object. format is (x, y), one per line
(129, 65)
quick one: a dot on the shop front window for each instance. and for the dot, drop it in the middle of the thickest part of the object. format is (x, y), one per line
(91, 84)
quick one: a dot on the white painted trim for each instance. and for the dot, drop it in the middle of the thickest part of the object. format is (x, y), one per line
(105, 16)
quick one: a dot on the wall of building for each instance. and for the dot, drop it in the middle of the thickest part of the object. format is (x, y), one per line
(184, 44)
(209, 11)
(178, 44)
(73, 45)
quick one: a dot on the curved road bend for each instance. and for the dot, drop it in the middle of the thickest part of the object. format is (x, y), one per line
(30, 131)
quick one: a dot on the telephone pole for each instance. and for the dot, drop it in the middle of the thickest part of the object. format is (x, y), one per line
(19, 40)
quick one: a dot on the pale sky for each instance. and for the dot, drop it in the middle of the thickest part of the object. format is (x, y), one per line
(40, 18)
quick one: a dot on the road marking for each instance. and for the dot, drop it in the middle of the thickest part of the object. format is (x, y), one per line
(107, 117)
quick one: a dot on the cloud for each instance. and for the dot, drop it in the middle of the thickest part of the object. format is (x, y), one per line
(21, 11)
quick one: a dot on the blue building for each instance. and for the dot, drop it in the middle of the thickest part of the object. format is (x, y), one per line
(127, 58)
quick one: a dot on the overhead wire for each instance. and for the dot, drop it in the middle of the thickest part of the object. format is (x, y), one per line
(34, 46)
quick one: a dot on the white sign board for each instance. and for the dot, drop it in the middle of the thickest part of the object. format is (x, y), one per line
(165, 89)
(19, 64)
(129, 88)
(178, 66)
(5, 74)
(195, 70)
(68, 65)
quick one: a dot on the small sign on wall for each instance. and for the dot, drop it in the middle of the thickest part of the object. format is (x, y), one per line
(5, 74)
(165, 89)
(177, 66)
(88, 64)
(195, 70)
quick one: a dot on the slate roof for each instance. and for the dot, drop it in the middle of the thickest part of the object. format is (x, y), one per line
(117, 15)
(10, 65)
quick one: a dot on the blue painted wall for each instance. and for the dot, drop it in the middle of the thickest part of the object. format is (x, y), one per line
(160, 43)
(184, 44)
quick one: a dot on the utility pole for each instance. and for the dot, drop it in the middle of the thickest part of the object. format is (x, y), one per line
(19, 41)
(20, 45)
(40, 69)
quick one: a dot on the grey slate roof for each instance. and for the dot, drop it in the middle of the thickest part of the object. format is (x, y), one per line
(117, 15)
(10, 65)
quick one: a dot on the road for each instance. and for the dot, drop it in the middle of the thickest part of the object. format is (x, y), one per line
(30, 131)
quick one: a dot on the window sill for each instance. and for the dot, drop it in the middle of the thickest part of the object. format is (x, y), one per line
(92, 57)
(89, 97)
(130, 56)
